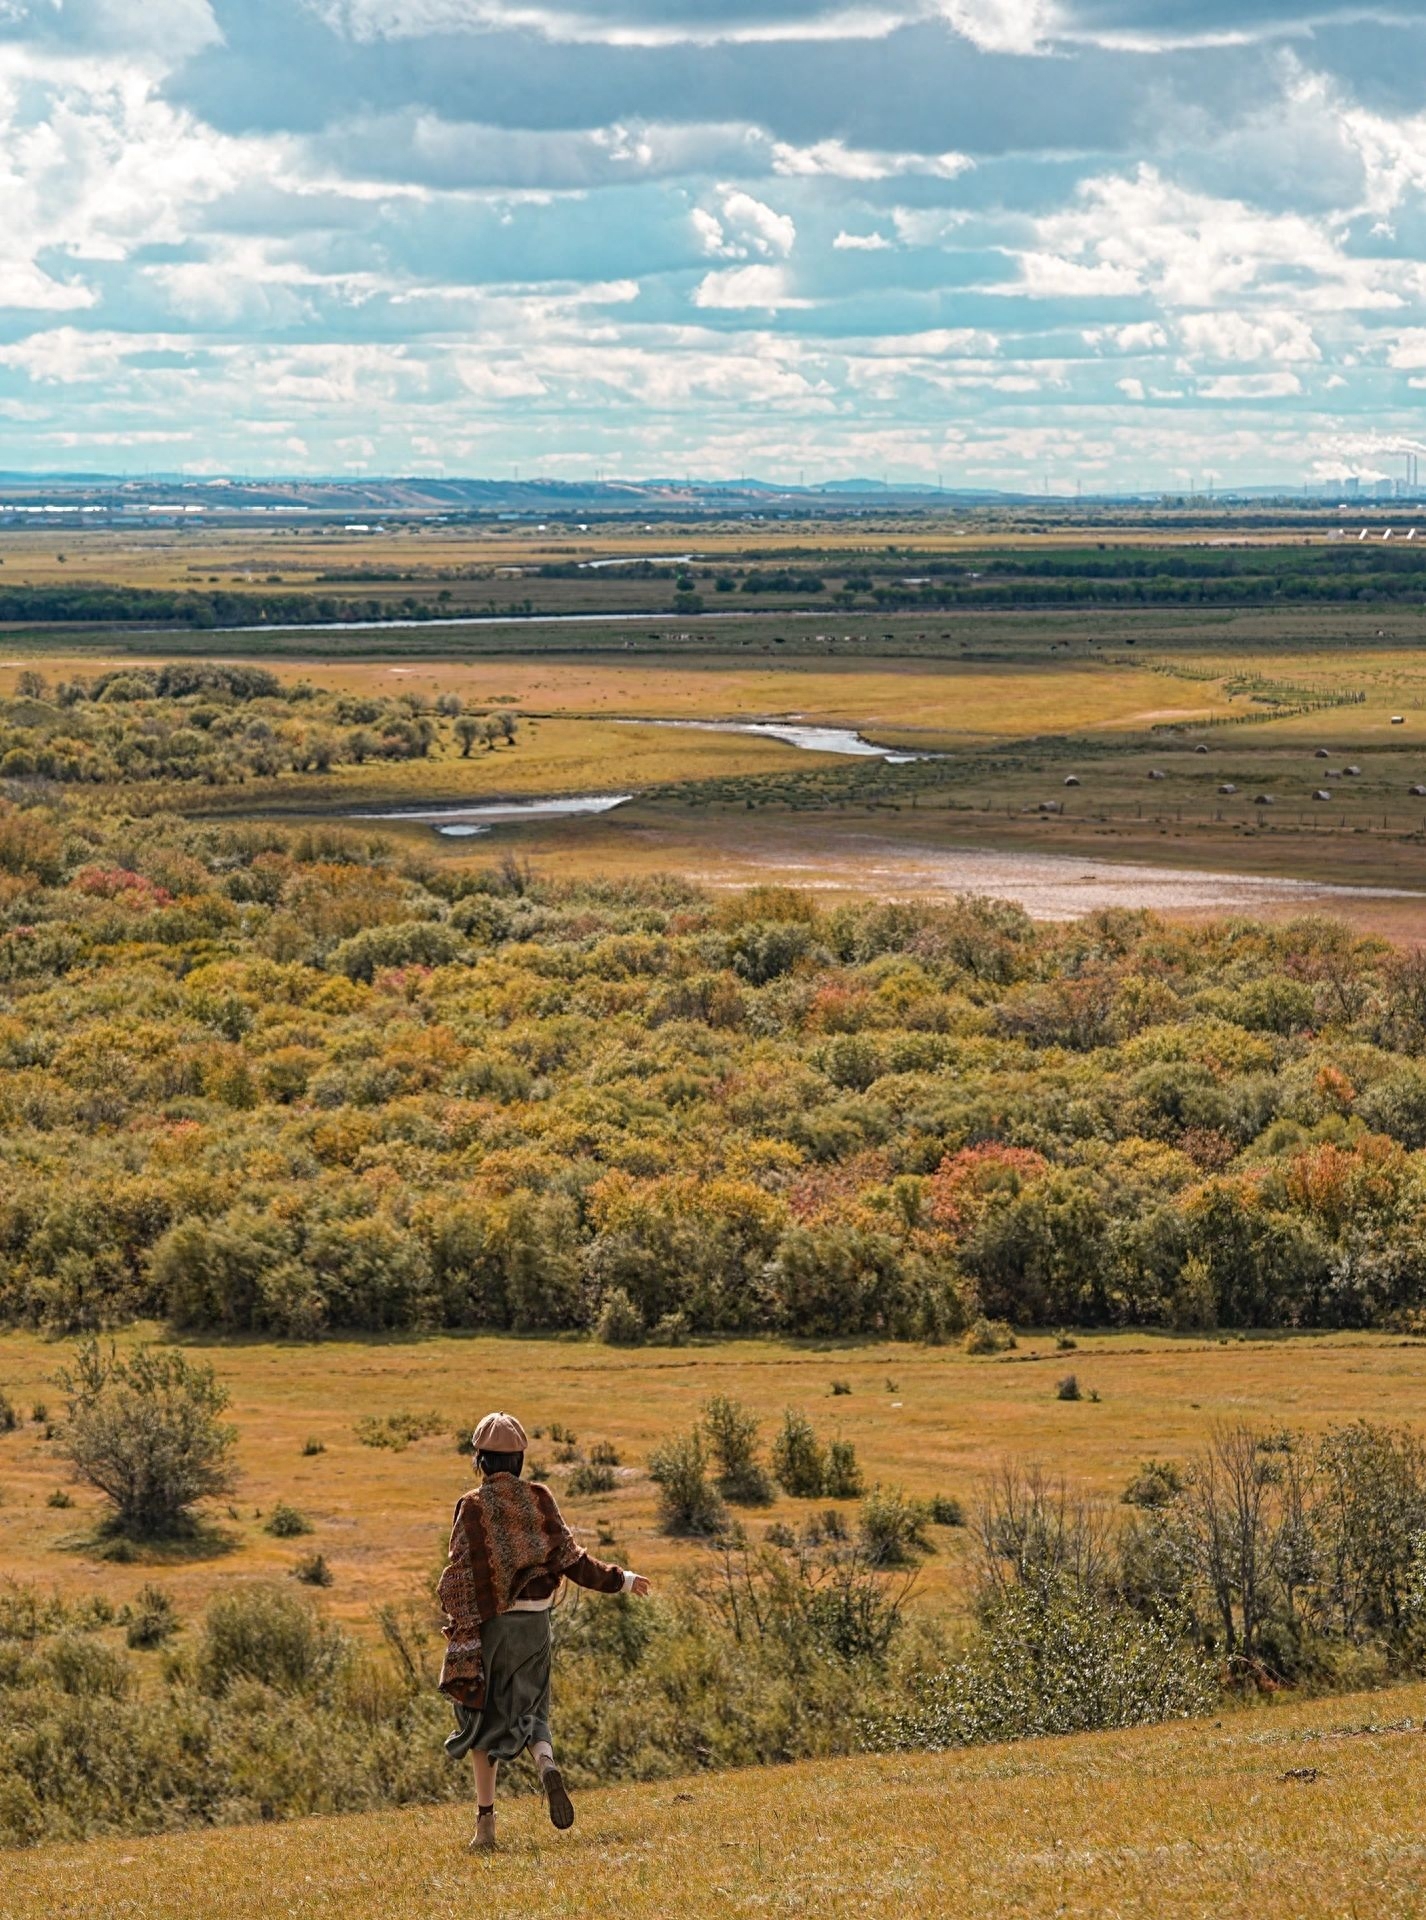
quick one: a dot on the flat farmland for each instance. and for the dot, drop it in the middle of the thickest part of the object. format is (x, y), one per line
(929, 1420)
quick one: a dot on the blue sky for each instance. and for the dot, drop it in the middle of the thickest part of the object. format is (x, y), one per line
(1111, 242)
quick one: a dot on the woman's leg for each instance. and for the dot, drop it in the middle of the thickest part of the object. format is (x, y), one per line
(485, 1770)
(552, 1781)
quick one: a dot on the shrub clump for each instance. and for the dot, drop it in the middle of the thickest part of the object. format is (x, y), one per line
(799, 1459)
(891, 1527)
(396, 1431)
(620, 1324)
(268, 1635)
(591, 1476)
(733, 1440)
(1052, 1658)
(688, 1504)
(145, 1431)
(285, 1522)
(988, 1336)
(152, 1620)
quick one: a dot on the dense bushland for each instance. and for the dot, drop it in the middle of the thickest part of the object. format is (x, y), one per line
(220, 725)
(259, 1079)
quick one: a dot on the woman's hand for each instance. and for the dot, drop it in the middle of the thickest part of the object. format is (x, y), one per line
(641, 1587)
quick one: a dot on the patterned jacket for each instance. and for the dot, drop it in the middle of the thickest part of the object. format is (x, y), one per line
(509, 1542)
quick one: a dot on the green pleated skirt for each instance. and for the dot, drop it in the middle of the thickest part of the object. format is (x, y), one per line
(515, 1649)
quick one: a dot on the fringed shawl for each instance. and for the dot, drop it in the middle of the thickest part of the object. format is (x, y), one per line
(505, 1532)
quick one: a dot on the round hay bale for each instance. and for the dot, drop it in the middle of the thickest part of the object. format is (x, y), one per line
(1200, 748)
(1071, 779)
(1321, 794)
(1352, 770)
(1262, 800)
(1322, 754)
(1155, 773)
(1227, 787)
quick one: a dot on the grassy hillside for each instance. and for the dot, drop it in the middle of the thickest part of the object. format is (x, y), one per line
(1286, 1813)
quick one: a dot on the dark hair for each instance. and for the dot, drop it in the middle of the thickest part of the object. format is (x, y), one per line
(500, 1462)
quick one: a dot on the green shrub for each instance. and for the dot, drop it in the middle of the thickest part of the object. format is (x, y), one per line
(1157, 1484)
(671, 1329)
(946, 1511)
(591, 1477)
(604, 1454)
(9, 1419)
(687, 1503)
(843, 1477)
(1053, 1659)
(841, 1387)
(424, 943)
(1068, 1388)
(396, 1431)
(59, 1498)
(620, 1324)
(733, 1441)
(988, 1336)
(312, 1446)
(145, 1432)
(312, 1570)
(285, 1522)
(266, 1634)
(799, 1460)
(891, 1527)
(153, 1618)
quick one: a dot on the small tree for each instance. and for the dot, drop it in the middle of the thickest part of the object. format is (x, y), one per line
(467, 731)
(146, 1432)
(798, 1458)
(733, 1439)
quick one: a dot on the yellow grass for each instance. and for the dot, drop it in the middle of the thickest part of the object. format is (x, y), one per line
(930, 1420)
(1194, 1821)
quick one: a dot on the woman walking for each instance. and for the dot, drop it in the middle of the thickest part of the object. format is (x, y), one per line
(510, 1553)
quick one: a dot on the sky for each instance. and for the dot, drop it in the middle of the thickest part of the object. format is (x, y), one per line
(1021, 243)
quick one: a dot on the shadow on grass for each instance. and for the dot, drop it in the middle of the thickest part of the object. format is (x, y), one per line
(196, 1540)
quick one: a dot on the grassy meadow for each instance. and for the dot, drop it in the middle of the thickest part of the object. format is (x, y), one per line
(1297, 1812)
(929, 1420)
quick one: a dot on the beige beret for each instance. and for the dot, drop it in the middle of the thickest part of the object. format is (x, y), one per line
(499, 1433)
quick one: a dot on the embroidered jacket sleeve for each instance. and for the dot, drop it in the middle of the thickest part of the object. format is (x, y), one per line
(584, 1570)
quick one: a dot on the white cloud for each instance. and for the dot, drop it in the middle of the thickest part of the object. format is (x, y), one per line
(1143, 233)
(1248, 337)
(1131, 389)
(757, 286)
(861, 243)
(836, 160)
(1004, 26)
(1249, 386)
(743, 228)
(1138, 336)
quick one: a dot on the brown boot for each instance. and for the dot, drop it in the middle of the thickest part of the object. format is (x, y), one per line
(560, 1805)
(484, 1835)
